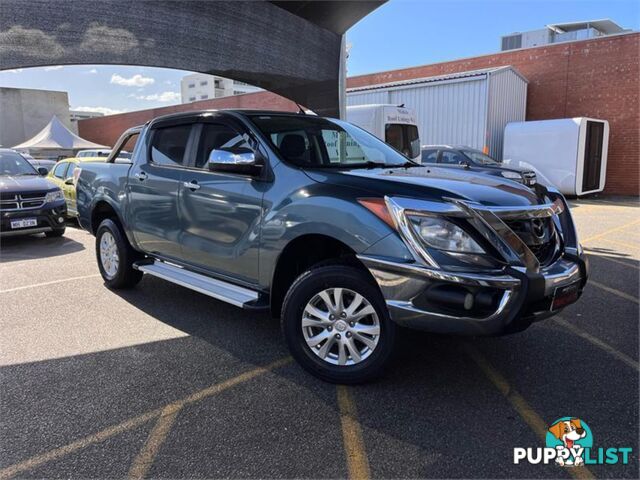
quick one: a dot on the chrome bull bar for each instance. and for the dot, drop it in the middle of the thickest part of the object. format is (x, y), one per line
(488, 221)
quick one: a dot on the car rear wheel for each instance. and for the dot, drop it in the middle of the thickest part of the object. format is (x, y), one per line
(336, 324)
(116, 256)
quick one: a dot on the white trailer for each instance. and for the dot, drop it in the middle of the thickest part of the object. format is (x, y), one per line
(571, 153)
(393, 124)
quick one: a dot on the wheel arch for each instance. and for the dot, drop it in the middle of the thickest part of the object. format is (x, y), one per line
(101, 211)
(302, 253)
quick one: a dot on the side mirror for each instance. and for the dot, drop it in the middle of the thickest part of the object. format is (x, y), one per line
(240, 160)
(43, 171)
(69, 181)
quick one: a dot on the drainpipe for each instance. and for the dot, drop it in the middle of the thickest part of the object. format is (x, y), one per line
(342, 79)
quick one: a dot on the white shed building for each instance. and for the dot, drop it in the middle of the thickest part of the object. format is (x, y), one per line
(467, 108)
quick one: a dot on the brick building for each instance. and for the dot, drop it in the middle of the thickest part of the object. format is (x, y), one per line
(597, 78)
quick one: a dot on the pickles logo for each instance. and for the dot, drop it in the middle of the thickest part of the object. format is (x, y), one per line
(569, 443)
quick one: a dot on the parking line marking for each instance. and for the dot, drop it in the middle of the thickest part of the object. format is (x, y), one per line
(357, 461)
(597, 342)
(620, 294)
(143, 461)
(72, 447)
(137, 421)
(611, 230)
(621, 243)
(592, 253)
(53, 282)
(517, 401)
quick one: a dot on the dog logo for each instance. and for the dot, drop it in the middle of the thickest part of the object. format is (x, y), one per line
(569, 436)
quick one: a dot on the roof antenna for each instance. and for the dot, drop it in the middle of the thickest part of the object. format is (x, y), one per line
(300, 109)
(401, 105)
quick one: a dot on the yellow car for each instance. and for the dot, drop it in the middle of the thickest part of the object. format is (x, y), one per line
(62, 175)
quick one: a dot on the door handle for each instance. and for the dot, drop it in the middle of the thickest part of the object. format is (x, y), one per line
(141, 176)
(192, 185)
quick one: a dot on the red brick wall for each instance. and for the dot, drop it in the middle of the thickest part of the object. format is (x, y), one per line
(107, 130)
(597, 78)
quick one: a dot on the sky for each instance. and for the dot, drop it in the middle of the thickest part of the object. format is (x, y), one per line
(401, 33)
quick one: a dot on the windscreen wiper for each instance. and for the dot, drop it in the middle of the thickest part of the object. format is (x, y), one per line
(372, 164)
(409, 164)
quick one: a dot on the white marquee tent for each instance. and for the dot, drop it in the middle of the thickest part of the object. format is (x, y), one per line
(56, 137)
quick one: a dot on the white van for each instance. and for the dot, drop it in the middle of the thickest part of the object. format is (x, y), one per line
(395, 125)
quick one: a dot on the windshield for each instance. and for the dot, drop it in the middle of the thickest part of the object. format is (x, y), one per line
(403, 138)
(12, 163)
(479, 157)
(93, 153)
(316, 142)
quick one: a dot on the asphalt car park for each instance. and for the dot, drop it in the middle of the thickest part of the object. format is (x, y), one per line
(160, 381)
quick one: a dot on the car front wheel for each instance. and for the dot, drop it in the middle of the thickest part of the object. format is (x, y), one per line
(336, 324)
(115, 256)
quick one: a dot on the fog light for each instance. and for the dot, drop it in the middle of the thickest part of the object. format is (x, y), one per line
(60, 219)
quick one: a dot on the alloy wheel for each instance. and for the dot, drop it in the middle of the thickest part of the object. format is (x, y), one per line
(340, 326)
(109, 255)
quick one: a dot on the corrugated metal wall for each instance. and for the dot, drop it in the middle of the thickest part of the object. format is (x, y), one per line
(471, 111)
(368, 97)
(507, 103)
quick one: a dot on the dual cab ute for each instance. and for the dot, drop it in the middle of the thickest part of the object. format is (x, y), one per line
(335, 232)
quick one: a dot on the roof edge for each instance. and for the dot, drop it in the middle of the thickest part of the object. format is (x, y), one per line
(472, 57)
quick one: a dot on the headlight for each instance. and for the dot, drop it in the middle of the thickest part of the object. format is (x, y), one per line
(54, 196)
(443, 235)
(512, 176)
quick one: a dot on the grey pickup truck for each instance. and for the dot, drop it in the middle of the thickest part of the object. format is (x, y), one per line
(336, 233)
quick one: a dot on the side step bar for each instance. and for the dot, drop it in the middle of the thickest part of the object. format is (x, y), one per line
(212, 287)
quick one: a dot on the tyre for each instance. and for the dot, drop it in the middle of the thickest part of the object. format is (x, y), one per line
(55, 233)
(116, 256)
(336, 324)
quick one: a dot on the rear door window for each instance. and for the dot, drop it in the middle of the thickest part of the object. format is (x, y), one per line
(169, 145)
(71, 168)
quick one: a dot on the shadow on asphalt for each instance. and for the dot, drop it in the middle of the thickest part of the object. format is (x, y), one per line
(37, 246)
(432, 414)
(608, 252)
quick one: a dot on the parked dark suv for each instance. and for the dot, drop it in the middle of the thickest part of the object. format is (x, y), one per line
(330, 229)
(472, 159)
(28, 203)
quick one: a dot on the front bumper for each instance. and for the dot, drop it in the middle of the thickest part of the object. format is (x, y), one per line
(511, 298)
(49, 217)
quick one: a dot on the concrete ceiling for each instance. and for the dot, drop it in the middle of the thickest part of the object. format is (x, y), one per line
(290, 48)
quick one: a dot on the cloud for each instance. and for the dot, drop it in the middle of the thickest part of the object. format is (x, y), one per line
(15, 70)
(136, 81)
(100, 38)
(103, 110)
(93, 71)
(54, 67)
(160, 97)
(29, 43)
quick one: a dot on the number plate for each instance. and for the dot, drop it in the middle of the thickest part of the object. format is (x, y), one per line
(24, 223)
(566, 295)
